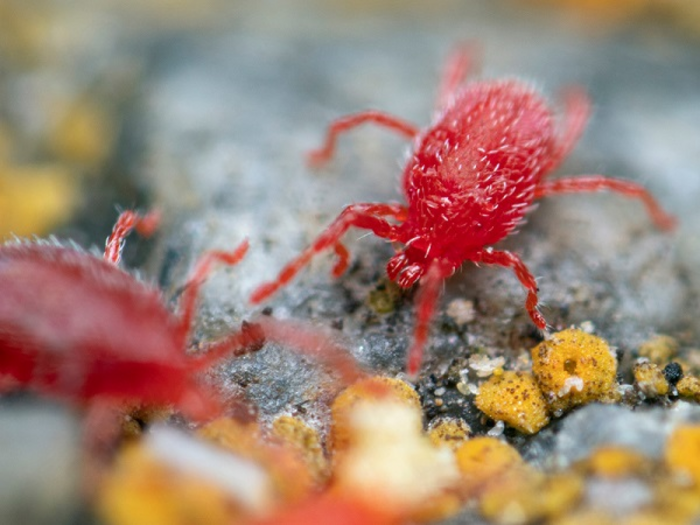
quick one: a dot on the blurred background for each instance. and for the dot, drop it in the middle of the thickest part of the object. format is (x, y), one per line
(72, 74)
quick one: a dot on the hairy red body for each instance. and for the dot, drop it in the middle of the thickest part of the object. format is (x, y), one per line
(77, 327)
(472, 177)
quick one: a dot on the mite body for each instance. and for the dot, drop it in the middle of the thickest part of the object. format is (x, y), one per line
(77, 327)
(471, 179)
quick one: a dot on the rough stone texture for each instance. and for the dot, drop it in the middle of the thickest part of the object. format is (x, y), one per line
(39, 463)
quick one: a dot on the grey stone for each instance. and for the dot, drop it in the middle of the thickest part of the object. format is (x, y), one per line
(40, 458)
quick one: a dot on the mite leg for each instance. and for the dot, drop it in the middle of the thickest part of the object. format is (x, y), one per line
(323, 154)
(591, 183)
(201, 271)
(309, 341)
(510, 260)
(199, 403)
(101, 432)
(366, 216)
(343, 261)
(459, 63)
(250, 338)
(426, 301)
(127, 221)
(576, 113)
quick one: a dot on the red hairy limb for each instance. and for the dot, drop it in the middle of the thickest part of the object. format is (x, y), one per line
(472, 177)
(591, 183)
(202, 269)
(325, 152)
(426, 301)
(127, 221)
(510, 260)
(309, 341)
(368, 216)
(459, 64)
(577, 109)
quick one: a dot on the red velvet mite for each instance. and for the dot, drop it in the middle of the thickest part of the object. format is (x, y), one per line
(75, 326)
(471, 179)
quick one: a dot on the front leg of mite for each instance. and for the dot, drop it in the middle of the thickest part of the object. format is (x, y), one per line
(511, 260)
(367, 216)
(426, 301)
(201, 271)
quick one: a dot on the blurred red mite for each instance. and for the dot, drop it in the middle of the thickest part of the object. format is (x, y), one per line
(75, 326)
(472, 177)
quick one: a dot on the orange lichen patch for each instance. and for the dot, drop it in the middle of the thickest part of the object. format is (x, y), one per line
(484, 461)
(689, 387)
(614, 462)
(306, 442)
(290, 475)
(391, 463)
(372, 388)
(242, 438)
(83, 133)
(679, 504)
(650, 380)
(515, 399)
(660, 349)
(574, 368)
(654, 517)
(141, 488)
(24, 30)
(34, 199)
(449, 432)
(585, 517)
(528, 498)
(682, 454)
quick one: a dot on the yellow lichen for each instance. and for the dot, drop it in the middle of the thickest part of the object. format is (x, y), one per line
(390, 462)
(83, 133)
(292, 479)
(141, 489)
(532, 497)
(585, 517)
(650, 380)
(306, 441)
(34, 199)
(689, 386)
(484, 461)
(679, 503)
(574, 368)
(682, 453)
(653, 517)
(450, 432)
(515, 399)
(659, 349)
(373, 388)
(242, 438)
(614, 462)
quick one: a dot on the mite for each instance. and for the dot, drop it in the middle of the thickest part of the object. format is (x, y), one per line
(471, 179)
(75, 326)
